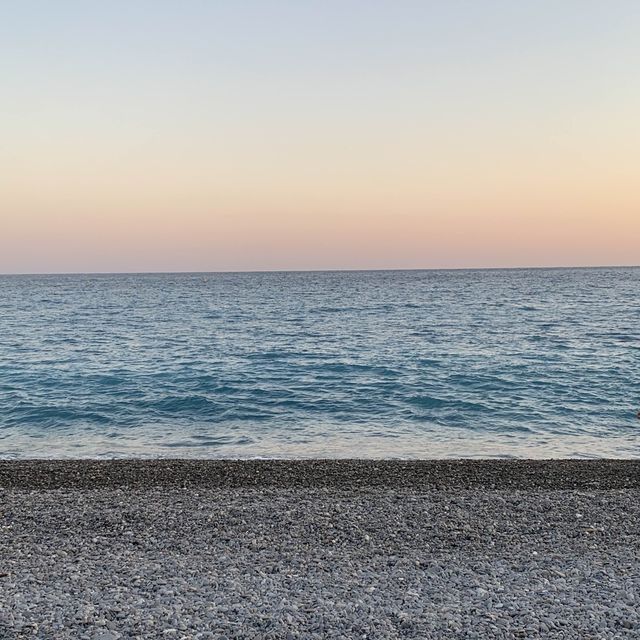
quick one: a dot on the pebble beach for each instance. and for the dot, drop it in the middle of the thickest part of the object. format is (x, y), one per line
(103, 550)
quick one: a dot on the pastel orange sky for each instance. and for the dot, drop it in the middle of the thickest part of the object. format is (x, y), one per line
(203, 136)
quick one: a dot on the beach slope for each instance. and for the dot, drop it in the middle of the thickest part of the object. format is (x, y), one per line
(317, 549)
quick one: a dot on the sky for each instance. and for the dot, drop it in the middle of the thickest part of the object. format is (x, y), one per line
(203, 135)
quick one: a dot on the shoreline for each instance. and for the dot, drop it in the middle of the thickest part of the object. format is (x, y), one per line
(489, 474)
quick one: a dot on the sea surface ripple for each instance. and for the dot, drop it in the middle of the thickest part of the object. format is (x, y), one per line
(413, 364)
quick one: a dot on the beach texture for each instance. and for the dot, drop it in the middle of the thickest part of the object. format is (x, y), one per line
(319, 549)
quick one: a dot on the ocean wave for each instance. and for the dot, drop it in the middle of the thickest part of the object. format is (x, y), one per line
(244, 364)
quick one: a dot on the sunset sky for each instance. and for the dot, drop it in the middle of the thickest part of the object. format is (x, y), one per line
(199, 135)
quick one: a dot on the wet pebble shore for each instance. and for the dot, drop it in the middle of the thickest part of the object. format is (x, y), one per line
(316, 549)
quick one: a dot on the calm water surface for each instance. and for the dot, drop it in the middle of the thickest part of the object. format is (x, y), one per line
(532, 363)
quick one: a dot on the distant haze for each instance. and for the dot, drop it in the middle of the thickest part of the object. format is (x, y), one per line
(202, 136)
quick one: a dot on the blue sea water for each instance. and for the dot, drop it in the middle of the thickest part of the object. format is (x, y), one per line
(414, 364)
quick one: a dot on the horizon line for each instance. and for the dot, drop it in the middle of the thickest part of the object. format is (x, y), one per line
(337, 270)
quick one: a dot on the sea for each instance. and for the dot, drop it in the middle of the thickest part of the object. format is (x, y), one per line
(524, 363)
